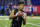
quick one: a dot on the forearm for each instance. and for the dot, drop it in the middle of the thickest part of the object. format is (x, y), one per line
(24, 19)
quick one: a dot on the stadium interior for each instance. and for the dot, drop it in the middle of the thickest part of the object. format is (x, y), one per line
(6, 6)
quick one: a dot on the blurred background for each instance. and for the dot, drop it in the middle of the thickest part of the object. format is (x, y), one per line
(6, 6)
(32, 20)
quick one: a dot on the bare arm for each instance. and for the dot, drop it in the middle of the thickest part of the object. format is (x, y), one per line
(25, 17)
(12, 15)
(24, 21)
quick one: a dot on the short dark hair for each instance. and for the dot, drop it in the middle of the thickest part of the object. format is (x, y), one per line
(20, 3)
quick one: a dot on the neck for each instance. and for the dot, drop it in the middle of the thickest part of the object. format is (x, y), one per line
(19, 9)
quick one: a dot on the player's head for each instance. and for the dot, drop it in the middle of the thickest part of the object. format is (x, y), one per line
(21, 5)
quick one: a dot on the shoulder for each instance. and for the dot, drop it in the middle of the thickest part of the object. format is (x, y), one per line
(14, 10)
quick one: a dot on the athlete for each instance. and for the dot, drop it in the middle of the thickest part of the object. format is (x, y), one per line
(18, 16)
(31, 10)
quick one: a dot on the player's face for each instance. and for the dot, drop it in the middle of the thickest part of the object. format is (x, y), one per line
(21, 6)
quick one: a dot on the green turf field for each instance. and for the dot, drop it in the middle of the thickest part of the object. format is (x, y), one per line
(30, 22)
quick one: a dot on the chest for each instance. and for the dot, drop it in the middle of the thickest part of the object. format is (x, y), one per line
(17, 18)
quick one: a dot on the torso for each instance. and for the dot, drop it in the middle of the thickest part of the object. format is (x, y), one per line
(17, 20)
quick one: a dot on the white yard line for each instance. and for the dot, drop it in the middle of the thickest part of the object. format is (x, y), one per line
(32, 24)
(6, 24)
(26, 22)
(4, 19)
(4, 16)
(33, 17)
(27, 17)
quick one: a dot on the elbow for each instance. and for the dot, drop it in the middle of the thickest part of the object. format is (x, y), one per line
(11, 17)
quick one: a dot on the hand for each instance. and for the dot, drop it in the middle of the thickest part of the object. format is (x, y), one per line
(24, 22)
(17, 13)
(20, 14)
